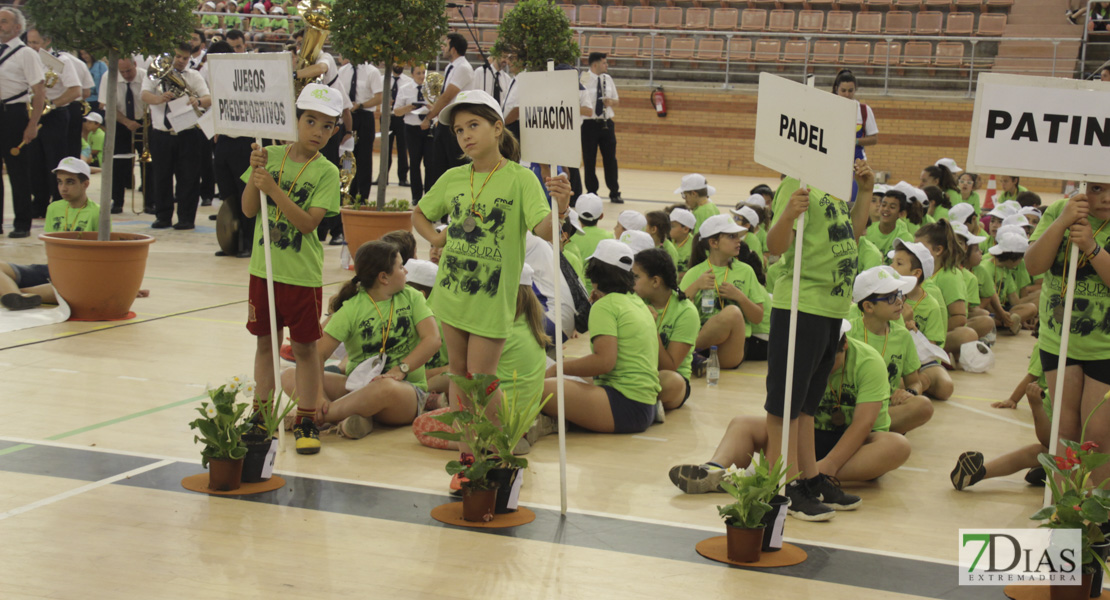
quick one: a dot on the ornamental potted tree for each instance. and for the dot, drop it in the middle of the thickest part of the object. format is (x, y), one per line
(220, 428)
(388, 32)
(474, 429)
(752, 490)
(516, 416)
(260, 441)
(534, 32)
(364, 221)
(100, 278)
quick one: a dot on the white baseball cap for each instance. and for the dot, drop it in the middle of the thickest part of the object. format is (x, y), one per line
(638, 240)
(210, 4)
(748, 213)
(928, 264)
(905, 188)
(95, 118)
(845, 327)
(1029, 210)
(572, 215)
(962, 231)
(421, 272)
(949, 164)
(1007, 208)
(960, 212)
(277, 10)
(1015, 219)
(880, 189)
(685, 218)
(259, 6)
(632, 220)
(589, 206)
(756, 200)
(696, 181)
(1010, 242)
(614, 253)
(321, 98)
(719, 224)
(469, 97)
(77, 166)
(1011, 229)
(881, 280)
(527, 273)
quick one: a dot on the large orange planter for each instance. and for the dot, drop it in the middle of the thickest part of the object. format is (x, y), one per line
(99, 280)
(361, 226)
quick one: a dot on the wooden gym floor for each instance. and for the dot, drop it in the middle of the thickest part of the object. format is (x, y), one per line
(95, 441)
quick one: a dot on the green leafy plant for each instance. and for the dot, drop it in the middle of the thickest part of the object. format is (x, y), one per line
(272, 412)
(752, 492)
(516, 415)
(116, 29)
(1077, 503)
(388, 32)
(472, 427)
(394, 205)
(534, 32)
(222, 424)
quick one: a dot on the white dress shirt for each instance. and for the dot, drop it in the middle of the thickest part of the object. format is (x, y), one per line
(609, 90)
(193, 81)
(19, 72)
(484, 78)
(402, 80)
(368, 84)
(82, 70)
(408, 94)
(331, 78)
(136, 86)
(459, 74)
(66, 79)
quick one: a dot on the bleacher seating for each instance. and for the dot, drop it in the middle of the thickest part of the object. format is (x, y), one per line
(488, 12)
(617, 16)
(898, 22)
(781, 21)
(869, 23)
(710, 49)
(838, 21)
(960, 23)
(929, 22)
(670, 17)
(826, 52)
(856, 53)
(811, 21)
(950, 54)
(753, 19)
(725, 19)
(642, 17)
(697, 18)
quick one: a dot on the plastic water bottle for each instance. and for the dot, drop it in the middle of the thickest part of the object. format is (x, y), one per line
(708, 301)
(713, 368)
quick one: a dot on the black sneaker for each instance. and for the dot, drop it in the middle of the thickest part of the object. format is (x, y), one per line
(117, 210)
(19, 233)
(969, 470)
(183, 226)
(17, 301)
(827, 489)
(1035, 476)
(160, 224)
(697, 479)
(336, 240)
(804, 504)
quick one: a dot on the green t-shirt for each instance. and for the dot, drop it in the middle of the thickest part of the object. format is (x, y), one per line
(1020, 276)
(525, 358)
(1005, 196)
(679, 323)
(682, 260)
(938, 213)
(259, 23)
(930, 319)
(896, 347)
(210, 21)
(954, 198)
(60, 217)
(476, 286)
(869, 256)
(828, 255)
(95, 143)
(930, 287)
(1090, 317)
(971, 287)
(952, 285)
(756, 246)
(910, 227)
(586, 240)
(233, 23)
(361, 324)
(575, 260)
(626, 317)
(993, 280)
(863, 378)
(668, 245)
(702, 213)
(738, 274)
(885, 241)
(298, 259)
(279, 24)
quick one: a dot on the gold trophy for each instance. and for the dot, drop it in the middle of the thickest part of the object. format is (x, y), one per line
(317, 26)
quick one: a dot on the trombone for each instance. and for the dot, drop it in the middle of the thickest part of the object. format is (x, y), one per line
(140, 136)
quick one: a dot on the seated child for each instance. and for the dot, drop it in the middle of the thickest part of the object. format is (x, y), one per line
(629, 220)
(683, 223)
(923, 313)
(695, 192)
(971, 256)
(659, 227)
(1006, 258)
(748, 218)
(676, 321)
(890, 225)
(947, 284)
(405, 242)
(421, 276)
(589, 207)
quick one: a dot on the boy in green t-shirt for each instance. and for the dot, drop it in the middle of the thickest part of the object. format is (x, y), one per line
(1005, 258)
(683, 223)
(589, 207)
(303, 188)
(695, 192)
(890, 225)
(923, 313)
(92, 139)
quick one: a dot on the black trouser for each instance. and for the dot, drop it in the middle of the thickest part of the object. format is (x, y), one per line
(232, 158)
(123, 173)
(48, 149)
(176, 157)
(207, 169)
(419, 143)
(363, 121)
(600, 134)
(332, 225)
(13, 122)
(73, 133)
(397, 132)
(446, 154)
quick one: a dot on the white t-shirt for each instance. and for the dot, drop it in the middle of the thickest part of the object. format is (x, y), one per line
(407, 94)
(538, 255)
(19, 72)
(870, 127)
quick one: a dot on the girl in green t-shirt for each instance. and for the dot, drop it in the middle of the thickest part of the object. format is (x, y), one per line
(947, 250)
(624, 353)
(659, 227)
(967, 184)
(1008, 189)
(923, 313)
(676, 321)
(727, 288)
(939, 204)
(376, 318)
(749, 218)
(971, 256)
(940, 176)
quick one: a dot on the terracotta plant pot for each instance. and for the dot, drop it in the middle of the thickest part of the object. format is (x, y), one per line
(361, 226)
(224, 474)
(99, 280)
(744, 544)
(479, 505)
(772, 525)
(1072, 592)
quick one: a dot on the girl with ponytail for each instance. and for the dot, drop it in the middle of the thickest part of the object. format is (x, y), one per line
(947, 284)
(940, 176)
(389, 333)
(676, 322)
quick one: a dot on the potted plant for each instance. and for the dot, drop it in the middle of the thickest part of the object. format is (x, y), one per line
(110, 267)
(516, 416)
(387, 32)
(364, 222)
(1078, 503)
(534, 32)
(752, 491)
(261, 444)
(221, 427)
(474, 429)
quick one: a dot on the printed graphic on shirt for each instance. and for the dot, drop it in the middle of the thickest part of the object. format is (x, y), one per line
(1091, 308)
(283, 235)
(842, 242)
(472, 263)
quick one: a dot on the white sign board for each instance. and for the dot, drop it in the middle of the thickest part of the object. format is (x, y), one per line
(252, 95)
(806, 133)
(550, 121)
(1040, 127)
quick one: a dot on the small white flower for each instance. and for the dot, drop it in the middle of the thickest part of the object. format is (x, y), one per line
(210, 411)
(732, 470)
(248, 389)
(231, 387)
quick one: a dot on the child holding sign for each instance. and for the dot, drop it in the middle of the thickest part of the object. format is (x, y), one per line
(476, 287)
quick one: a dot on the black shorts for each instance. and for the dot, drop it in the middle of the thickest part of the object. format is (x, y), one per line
(813, 361)
(1099, 370)
(825, 441)
(27, 276)
(687, 396)
(755, 349)
(629, 416)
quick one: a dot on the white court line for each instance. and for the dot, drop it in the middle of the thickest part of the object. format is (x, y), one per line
(81, 490)
(552, 508)
(63, 371)
(129, 378)
(649, 438)
(916, 469)
(988, 414)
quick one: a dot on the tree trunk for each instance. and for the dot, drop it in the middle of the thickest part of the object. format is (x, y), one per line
(104, 227)
(387, 114)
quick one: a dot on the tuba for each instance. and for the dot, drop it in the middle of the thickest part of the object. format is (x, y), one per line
(433, 86)
(317, 26)
(161, 70)
(347, 170)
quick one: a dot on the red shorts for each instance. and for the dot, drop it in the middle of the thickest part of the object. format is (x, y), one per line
(298, 308)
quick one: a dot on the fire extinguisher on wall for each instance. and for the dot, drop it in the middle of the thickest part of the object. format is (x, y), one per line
(659, 101)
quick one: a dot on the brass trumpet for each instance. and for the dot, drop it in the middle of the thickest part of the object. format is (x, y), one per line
(161, 70)
(317, 26)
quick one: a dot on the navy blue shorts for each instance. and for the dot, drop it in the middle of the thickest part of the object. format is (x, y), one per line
(27, 276)
(629, 416)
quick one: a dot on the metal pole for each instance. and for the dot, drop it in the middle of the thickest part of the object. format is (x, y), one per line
(651, 62)
(1055, 49)
(886, 74)
(1082, 45)
(728, 58)
(971, 72)
(805, 63)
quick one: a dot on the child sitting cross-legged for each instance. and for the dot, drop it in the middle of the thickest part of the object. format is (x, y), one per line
(676, 320)
(923, 313)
